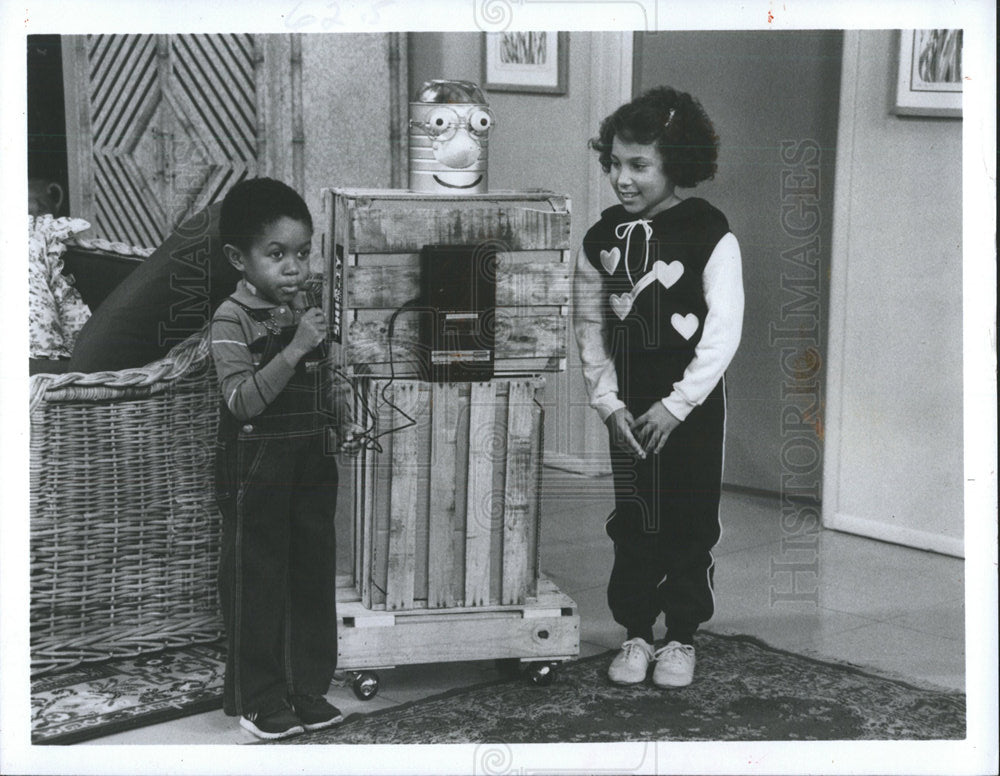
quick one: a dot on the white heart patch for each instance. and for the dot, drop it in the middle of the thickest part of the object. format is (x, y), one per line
(668, 274)
(610, 259)
(686, 325)
(621, 304)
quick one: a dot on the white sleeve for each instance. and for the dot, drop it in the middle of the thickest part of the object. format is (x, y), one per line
(592, 338)
(722, 284)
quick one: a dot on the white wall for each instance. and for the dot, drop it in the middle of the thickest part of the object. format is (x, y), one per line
(894, 439)
(346, 120)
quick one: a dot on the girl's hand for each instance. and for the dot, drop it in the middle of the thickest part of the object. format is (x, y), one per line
(619, 424)
(352, 439)
(654, 426)
(311, 332)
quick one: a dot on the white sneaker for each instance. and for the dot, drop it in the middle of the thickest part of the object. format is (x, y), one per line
(674, 665)
(632, 663)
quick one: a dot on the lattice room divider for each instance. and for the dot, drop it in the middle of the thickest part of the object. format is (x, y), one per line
(160, 126)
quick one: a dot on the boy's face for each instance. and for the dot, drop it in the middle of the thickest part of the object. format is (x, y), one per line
(277, 261)
(638, 179)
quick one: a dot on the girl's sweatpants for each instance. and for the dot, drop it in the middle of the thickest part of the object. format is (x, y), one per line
(277, 575)
(665, 524)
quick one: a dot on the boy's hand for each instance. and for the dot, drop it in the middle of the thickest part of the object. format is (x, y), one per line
(311, 332)
(654, 426)
(619, 423)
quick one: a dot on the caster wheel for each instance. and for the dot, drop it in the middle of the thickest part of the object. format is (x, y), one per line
(365, 685)
(542, 674)
(508, 667)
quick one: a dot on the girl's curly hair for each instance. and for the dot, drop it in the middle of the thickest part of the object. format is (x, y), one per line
(676, 123)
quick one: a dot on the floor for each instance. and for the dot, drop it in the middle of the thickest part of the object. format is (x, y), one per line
(896, 610)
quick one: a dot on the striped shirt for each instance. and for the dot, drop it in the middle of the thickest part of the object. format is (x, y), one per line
(248, 387)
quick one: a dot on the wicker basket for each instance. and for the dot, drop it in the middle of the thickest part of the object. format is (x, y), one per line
(124, 528)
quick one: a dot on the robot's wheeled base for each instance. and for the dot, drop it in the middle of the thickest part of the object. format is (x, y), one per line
(537, 635)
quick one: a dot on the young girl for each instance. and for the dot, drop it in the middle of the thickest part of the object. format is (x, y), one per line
(658, 313)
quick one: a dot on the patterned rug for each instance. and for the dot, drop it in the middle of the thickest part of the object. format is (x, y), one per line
(97, 700)
(743, 691)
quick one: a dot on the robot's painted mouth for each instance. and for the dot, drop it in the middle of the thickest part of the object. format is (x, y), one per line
(455, 186)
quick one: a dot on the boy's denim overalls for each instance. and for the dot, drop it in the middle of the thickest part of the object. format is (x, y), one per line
(277, 491)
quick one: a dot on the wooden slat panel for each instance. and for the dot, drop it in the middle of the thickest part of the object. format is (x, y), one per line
(541, 333)
(172, 123)
(519, 494)
(423, 470)
(498, 459)
(215, 111)
(502, 367)
(116, 82)
(80, 142)
(535, 527)
(461, 491)
(411, 260)
(547, 599)
(127, 117)
(454, 511)
(381, 488)
(524, 366)
(517, 285)
(367, 518)
(334, 282)
(127, 93)
(382, 226)
(448, 637)
(207, 62)
(441, 588)
(362, 512)
(400, 197)
(121, 201)
(403, 499)
(275, 106)
(480, 495)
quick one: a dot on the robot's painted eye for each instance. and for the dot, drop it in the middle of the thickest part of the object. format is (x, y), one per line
(440, 121)
(480, 121)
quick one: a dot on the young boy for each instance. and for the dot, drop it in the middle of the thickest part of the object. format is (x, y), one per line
(276, 484)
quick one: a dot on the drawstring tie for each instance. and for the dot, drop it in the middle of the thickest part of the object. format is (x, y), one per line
(624, 232)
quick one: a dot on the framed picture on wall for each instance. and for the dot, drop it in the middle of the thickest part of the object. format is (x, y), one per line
(929, 80)
(531, 62)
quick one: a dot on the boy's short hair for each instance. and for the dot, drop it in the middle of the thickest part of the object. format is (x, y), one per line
(676, 123)
(254, 204)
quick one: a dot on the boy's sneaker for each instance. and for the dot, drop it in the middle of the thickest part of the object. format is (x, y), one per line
(315, 711)
(674, 665)
(277, 722)
(632, 663)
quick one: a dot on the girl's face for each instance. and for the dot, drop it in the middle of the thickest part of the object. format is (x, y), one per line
(638, 179)
(277, 262)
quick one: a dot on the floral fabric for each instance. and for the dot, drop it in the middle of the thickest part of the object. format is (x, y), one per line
(56, 311)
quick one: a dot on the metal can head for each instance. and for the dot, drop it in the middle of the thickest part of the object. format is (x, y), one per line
(449, 125)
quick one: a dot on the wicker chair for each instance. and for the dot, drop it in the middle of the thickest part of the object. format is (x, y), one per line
(124, 528)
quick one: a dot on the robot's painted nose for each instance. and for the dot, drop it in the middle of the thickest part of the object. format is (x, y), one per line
(459, 152)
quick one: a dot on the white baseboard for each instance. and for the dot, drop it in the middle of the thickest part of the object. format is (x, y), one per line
(896, 534)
